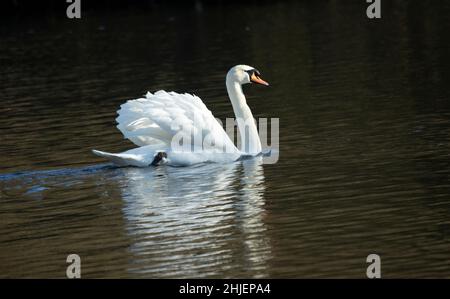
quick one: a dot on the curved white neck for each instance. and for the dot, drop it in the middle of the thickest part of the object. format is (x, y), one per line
(250, 142)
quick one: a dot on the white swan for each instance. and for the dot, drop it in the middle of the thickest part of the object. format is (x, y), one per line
(165, 126)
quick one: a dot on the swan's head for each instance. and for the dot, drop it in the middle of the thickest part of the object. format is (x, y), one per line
(244, 74)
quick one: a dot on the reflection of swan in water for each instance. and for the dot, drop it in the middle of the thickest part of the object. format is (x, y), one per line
(204, 221)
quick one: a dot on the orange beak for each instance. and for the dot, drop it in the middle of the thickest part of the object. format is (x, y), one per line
(254, 78)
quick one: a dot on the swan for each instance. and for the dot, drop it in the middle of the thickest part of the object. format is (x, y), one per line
(165, 126)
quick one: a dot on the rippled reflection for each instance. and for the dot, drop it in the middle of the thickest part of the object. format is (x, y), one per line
(195, 222)
(364, 143)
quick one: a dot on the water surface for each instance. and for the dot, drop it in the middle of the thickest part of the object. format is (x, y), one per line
(364, 143)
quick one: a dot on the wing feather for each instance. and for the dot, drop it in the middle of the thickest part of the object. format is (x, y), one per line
(158, 117)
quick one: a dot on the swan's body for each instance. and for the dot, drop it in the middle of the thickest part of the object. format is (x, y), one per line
(160, 122)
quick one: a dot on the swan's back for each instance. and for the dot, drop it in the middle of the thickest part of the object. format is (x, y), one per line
(159, 117)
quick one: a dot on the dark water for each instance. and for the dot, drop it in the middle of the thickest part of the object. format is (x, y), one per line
(364, 143)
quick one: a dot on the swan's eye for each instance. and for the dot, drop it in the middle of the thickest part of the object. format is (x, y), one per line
(251, 73)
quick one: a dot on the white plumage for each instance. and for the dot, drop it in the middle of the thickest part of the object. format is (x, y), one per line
(158, 117)
(179, 125)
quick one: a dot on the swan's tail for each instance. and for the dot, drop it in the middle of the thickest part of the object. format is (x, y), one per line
(140, 157)
(122, 159)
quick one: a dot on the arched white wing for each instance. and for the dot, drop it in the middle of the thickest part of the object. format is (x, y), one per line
(159, 117)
